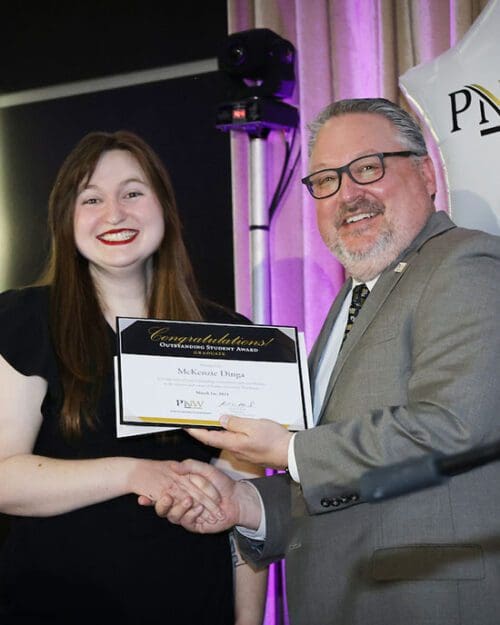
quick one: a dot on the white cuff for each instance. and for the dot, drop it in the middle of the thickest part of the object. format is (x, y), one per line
(260, 532)
(292, 463)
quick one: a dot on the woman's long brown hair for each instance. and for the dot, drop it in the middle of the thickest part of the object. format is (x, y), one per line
(78, 327)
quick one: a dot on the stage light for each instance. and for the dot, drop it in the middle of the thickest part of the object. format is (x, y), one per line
(260, 62)
(259, 70)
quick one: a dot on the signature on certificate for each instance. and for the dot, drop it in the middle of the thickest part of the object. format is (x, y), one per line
(237, 405)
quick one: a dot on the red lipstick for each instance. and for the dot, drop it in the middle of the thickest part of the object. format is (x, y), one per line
(119, 236)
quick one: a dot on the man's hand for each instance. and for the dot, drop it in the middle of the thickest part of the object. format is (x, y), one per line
(260, 441)
(158, 481)
(238, 504)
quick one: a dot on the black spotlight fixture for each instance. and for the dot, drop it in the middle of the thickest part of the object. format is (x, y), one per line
(260, 62)
(259, 69)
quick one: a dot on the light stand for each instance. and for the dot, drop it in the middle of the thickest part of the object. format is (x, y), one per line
(259, 233)
(260, 69)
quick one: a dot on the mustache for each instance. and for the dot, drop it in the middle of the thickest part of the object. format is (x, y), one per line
(361, 205)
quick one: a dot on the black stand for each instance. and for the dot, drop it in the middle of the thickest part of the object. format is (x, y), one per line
(430, 470)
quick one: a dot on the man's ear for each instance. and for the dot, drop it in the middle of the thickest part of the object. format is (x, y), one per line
(428, 174)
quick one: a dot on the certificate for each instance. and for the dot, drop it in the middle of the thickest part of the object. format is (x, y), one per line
(188, 374)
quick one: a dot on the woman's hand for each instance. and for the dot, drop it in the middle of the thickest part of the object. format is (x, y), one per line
(160, 481)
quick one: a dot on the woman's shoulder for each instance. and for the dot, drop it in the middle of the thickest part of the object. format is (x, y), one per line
(24, 328)
(216, 313)
(27, 301)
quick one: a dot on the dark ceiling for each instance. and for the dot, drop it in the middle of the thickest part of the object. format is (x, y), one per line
(57, 42)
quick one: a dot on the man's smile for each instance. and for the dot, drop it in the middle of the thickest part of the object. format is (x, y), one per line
(360, 216)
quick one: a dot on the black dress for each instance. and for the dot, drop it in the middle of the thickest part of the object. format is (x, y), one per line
(114, 562)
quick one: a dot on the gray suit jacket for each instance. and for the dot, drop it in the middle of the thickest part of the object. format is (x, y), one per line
(418, 372)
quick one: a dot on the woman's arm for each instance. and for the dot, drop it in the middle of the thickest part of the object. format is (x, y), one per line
(33, 485)
(250, 584)
(250, 589)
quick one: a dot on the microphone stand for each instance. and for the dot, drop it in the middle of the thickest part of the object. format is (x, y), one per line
(419, 473)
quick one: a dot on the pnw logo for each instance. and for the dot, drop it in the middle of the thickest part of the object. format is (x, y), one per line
(488, 108)
(191, 404)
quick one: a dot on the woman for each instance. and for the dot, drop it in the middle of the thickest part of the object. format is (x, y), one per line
(80, 548)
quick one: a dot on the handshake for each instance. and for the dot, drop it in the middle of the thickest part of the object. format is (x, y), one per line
(202, 498)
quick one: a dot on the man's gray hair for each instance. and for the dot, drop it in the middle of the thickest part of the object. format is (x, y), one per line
(408, 130)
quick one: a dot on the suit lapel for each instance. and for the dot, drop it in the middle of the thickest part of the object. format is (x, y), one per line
(322, 339)
(379, 294)
(438, 223)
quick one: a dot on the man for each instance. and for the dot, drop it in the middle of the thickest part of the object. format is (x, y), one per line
(417, 372)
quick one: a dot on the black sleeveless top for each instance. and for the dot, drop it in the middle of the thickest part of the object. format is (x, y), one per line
(114, 562)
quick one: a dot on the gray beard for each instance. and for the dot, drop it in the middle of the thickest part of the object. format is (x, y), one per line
(370, 263)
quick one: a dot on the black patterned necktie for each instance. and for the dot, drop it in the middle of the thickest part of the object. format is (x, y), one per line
(359, 295)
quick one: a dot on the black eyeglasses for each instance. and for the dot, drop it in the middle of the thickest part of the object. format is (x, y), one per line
(363, 170)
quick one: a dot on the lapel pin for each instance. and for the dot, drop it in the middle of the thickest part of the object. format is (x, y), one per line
(400, 267)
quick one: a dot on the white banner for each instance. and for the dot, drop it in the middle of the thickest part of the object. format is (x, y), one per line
(457, 95)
